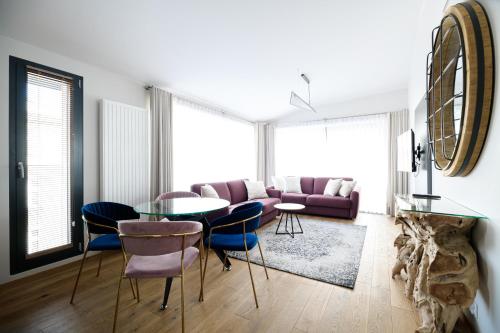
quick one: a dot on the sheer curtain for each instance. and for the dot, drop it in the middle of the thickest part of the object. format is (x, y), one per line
(209, 146)
(264, 135)
(398, 181)
(160, 128)
(351, 147)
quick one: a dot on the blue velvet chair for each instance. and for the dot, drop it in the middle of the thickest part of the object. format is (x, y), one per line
(236, 232)
(100, 219)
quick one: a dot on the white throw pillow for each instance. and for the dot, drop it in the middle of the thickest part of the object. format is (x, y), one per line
(346, 188)
(256, 190)
(279, 183)
(332, 187)
(208, 191)
(293, 185)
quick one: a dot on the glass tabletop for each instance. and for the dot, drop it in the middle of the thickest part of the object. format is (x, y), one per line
(443, 206)
(181, 206)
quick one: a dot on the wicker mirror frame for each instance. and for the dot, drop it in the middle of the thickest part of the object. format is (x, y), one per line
(460, 83)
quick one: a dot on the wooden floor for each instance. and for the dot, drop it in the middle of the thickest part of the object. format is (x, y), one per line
(288, 303)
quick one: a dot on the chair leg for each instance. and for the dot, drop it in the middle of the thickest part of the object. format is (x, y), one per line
(79, 273)
(132, 287)
(118, 297)
(200, 299)
(182, 298)
(99, 266)
(137, 289)
(251, 277)
(204, 274)
(262, 256)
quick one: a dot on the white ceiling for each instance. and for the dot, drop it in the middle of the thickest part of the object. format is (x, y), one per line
(244, 56)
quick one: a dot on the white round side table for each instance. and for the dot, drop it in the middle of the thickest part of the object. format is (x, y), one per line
(289, 210)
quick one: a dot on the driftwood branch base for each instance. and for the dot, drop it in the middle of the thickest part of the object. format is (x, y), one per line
(439, 266)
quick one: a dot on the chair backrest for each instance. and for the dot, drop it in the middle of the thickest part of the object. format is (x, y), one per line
(248, 214)
(157, 238)
(101, 217)
(177, 194)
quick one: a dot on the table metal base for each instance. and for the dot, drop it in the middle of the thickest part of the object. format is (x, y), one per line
(289, 215)
(168, 285)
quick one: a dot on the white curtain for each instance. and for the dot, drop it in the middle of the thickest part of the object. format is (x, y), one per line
(264, 135)
(346, 147)
(398, 181)
(209, 146)
(160, 142)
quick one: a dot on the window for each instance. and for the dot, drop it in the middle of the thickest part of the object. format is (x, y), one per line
(354, 147)
(46, 164)
(210, 147)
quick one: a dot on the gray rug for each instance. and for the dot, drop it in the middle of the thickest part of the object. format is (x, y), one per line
(326, 251)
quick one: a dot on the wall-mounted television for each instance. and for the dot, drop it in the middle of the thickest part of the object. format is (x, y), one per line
(406, 152)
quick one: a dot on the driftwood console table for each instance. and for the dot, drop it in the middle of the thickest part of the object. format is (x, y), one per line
(436, 259)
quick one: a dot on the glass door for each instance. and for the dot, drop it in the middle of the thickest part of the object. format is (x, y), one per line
(46, 165)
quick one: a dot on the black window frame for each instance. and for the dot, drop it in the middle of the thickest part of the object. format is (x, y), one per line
(17, 211)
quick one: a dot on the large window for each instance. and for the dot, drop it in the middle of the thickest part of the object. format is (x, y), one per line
(210, 147)
(352, 147)
(45, 164)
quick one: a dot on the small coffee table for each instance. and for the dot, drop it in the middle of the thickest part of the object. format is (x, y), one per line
(289, 210)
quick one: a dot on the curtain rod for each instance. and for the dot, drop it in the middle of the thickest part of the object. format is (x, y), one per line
(319, 121)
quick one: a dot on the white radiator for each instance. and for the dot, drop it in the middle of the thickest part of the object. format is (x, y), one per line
(124, 153)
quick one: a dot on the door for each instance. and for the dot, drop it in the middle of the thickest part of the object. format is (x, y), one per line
(46, 164)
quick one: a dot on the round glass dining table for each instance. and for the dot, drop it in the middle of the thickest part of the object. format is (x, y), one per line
(181, 206)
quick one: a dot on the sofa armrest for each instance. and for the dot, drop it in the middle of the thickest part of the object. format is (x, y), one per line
(273, 193)
(354, 197)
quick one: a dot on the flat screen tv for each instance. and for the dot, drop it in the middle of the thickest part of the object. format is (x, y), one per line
(406, 152)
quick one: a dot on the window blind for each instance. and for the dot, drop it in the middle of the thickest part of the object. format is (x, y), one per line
(48, 164)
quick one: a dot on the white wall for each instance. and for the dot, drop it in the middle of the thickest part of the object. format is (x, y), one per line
(480, 190)
(387, 102)
(98, 83)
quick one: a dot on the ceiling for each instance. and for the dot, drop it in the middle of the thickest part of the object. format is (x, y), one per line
(244, 56)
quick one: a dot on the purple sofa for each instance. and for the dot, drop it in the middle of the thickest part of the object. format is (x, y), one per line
(235, 192)
(318, 204)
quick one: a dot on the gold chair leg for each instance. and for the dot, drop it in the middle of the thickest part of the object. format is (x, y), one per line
(99, 266)
(118, 297)
(132, 287)
(262, 256)
(137, 289)
(79, 273)
(200, 299)
(182, 297)
(251, 277)
(204, 273)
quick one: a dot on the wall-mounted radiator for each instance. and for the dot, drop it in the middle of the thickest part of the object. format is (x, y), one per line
(124, 153)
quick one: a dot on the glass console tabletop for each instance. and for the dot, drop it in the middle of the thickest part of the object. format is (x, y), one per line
(443, 206)
(181, 206)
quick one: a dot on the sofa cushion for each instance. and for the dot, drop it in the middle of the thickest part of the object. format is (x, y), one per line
(298, 198)
(307, 184)
(267, 202)
(328, 201)
(238, 191)
(320, 183)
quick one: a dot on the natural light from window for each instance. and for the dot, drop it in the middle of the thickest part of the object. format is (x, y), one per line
(210, 147)
(349, 147)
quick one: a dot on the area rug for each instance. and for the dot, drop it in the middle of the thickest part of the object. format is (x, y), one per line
(327, 251)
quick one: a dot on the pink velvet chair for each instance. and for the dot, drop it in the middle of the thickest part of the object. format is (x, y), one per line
(159, 250)
(177, 194)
